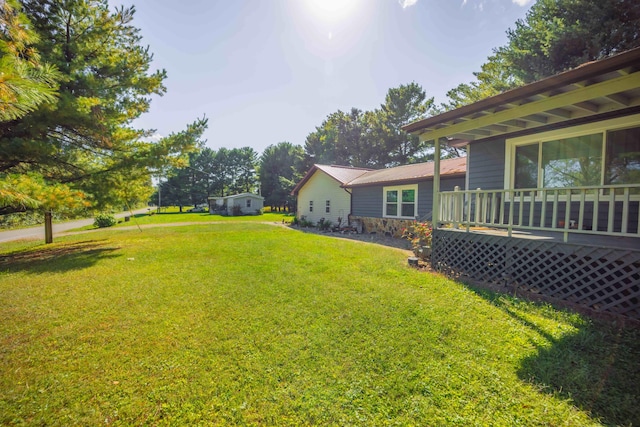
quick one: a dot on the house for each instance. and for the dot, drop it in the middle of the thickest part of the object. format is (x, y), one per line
(386, 201)
(320, 193)
(551, 205)
(237, 204)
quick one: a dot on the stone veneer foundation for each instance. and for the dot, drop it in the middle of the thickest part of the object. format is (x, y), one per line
(386, 226)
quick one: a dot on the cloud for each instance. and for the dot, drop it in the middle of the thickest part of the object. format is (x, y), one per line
(408, 3)
(476, 4)
(481, 3)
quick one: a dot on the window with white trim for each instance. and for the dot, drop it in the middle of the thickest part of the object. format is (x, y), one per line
(400, 201)
(310, 205)
(592, 159)
(327, 206)
(623, 157)
(248, 203)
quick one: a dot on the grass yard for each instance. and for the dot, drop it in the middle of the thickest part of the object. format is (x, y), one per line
(172, 214)
(254, 324)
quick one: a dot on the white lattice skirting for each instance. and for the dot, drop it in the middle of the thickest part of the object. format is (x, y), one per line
(602, 279)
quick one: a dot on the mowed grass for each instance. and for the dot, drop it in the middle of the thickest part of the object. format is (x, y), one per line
(253, 324)
(172, 215)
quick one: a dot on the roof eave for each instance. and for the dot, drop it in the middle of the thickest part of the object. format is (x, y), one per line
(584, 72)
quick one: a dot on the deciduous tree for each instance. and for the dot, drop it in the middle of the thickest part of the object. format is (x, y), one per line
(279, 169)
(555, 35)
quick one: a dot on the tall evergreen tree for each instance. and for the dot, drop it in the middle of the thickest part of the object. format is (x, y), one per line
(26, 82)
(84, 139)
(403, 105)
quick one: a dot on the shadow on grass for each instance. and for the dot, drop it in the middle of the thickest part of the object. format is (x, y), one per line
(58, 257)
(597, 366)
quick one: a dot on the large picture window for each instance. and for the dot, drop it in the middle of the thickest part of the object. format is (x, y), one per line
(595, 159)
(572, 162)
(527, 166)
(623, 157)
(400, 202)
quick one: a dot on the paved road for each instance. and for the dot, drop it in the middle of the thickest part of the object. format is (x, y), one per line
(33, 233)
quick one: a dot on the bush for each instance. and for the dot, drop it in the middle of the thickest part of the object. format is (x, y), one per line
(324, 224)
(304, 222)
(419, 234)
(104, 220)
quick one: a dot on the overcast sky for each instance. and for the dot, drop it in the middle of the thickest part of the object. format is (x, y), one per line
(266, 71)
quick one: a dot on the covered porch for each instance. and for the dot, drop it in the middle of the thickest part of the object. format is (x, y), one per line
(552, 205)
(597, 215)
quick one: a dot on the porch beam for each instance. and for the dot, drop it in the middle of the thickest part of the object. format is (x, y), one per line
(480, 132)
(464, 135)
(587, 106)
(498, 128)
(521, 124)
(559, 112)
(619, 99)
(597, 90)
(537, 118)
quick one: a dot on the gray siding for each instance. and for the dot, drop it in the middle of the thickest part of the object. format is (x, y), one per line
(367, 201)
(448, 184)
(485, 165)
(425, 198)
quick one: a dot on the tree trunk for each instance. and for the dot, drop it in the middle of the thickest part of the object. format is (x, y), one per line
(48, 228)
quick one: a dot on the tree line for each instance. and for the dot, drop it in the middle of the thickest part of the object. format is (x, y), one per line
(363, 139)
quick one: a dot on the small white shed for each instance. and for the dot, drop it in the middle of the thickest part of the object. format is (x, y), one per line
(237, 204)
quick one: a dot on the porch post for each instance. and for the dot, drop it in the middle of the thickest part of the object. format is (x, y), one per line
(435, 215)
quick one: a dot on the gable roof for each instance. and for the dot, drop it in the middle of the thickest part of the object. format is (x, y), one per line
(342, 174)
(593, 91)
(409, 173)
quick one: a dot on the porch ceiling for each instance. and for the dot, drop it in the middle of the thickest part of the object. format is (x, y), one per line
(606, 86)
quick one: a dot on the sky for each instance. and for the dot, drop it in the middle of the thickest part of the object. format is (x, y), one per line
(267, 71)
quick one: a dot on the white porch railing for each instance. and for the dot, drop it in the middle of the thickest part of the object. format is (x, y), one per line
(612, 210)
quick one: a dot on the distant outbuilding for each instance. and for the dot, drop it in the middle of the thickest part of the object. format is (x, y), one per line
(237, 204)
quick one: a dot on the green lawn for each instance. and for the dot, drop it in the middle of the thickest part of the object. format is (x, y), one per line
(253, 324)
(173, 215)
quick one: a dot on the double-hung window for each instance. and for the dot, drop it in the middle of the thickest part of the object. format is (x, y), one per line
(400, 201)
(327, 206)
